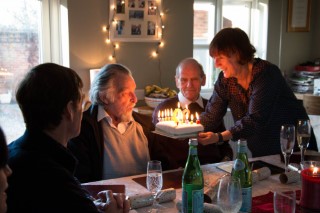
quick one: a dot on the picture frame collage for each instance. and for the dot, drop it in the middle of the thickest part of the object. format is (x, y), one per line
(135, 20)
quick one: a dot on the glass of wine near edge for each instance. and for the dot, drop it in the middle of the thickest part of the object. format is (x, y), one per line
(303, 136)
(287, 140)
(154, 183)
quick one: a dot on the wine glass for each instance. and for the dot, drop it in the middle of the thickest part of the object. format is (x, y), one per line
(287, 140)
(229, 195)
(154, 182)
(284, 200)
(303, 136)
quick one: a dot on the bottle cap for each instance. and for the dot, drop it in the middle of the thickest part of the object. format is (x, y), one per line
(193, 141)
(242, 142)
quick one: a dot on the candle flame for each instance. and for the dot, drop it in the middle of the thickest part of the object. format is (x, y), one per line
(197, 116)
(315, 170)
(178, 105)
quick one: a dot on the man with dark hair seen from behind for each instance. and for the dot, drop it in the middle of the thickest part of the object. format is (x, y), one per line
(50, 98)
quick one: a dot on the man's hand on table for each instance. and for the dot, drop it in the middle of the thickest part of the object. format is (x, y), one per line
(109, 202)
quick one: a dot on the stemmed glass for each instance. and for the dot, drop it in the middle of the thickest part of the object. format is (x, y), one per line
(229, 195)
(154, 182)
(303, 136)
(287, 140)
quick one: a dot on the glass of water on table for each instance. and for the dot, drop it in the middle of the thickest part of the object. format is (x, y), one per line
(154, 182)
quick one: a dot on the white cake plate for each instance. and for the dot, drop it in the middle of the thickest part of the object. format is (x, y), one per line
(191, 135)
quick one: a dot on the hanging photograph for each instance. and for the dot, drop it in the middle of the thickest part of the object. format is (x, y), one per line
(135, 20)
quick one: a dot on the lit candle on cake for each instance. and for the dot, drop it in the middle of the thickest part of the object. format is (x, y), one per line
(197, 117)
(159, 115)
(185, 112)
(191, 119)
(176, 114)
(310, 190)
(187, 117)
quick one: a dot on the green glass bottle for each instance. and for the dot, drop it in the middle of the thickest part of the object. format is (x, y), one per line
(242, 170)
(192, 181)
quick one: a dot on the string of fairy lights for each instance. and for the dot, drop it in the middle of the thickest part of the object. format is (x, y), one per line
(113, 22)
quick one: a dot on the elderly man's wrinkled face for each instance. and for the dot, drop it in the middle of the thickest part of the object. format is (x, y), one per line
(124, 99)
(189, 82)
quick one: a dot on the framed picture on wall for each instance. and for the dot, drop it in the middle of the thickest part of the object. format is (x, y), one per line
(299, 15)
(135, 20)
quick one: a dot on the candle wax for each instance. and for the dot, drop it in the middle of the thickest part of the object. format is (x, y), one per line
(310, 191)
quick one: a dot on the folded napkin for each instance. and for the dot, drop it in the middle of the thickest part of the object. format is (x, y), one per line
(260, 174)
(207, 207)
(264, 203)
(289, 177)
(142, 200)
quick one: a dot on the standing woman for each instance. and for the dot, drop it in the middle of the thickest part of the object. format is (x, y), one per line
(5, 171)
(257, 94)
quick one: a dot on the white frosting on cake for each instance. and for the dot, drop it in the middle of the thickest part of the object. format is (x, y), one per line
(171, 127)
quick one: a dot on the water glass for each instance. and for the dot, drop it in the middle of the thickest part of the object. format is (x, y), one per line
(229, 195)
(154, 182)
(284, 200)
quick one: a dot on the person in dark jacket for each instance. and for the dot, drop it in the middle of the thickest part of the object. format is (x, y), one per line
(5, 172)
(111, 143)
(173, 153)
(256, 92)
(50, 98)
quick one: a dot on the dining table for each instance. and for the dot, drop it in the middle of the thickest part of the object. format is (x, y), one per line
(135, 185)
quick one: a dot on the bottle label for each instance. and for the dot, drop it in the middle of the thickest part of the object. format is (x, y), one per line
(242, 149)
(193, 152)
(197, 201)
(246, 199)
(238, 165)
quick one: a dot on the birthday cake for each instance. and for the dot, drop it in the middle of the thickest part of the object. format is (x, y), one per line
(178, 129)
(178, 123)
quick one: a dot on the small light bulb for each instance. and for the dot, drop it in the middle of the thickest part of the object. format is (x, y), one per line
(107, 40)
(154, 54)
(111, 57)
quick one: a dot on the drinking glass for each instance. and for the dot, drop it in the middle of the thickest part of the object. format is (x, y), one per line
(154, 182)
(229, 195)
(284, 200)
(303, 136)
(287, 140)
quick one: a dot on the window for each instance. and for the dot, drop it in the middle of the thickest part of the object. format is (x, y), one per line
(31, 32)
(212, 15)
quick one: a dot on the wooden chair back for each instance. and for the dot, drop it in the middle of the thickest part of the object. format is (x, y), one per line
(312, 104)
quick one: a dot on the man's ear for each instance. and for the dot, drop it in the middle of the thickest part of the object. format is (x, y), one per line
(177, 82)
(203, 80)
(69, 110)
(103, 97)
